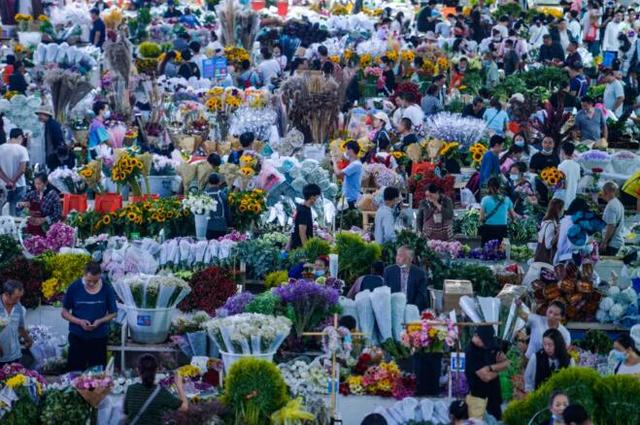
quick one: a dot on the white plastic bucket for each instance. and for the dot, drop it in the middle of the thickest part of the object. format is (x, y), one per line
(229, 359)
(149, 325)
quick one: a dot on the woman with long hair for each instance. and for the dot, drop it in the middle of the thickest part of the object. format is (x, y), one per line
(548, 233)
(557, 403)
(435, 215)
(553, 357)
(626, 355)
(145, 403)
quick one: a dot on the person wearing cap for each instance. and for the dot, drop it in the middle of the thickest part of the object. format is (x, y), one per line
(53, 137)
(613, 215)
(590, 121)
(483, 362)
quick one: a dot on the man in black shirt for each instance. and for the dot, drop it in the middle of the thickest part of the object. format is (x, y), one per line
(551, 53)
(483, 363)
(541, 160)
(474, 109)
(303, 220)
(98, 29)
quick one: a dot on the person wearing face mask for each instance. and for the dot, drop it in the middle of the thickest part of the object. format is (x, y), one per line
(510, 157)
(97, 130)
(626, 356)
(435, 215)
(548, 234)
(551, 358)
(546, 158)
(520, 139)
(590, 121)
(521, 192)
(540, 324)
(557, 403)
(384, 228)
(490, 164)
(407, 278)
(536, 33)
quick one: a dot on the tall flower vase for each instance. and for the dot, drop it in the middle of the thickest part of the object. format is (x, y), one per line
(201, 225)
(427, 368)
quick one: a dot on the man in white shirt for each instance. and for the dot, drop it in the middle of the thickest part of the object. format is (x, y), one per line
(610, 42)
(536, 34)
(384, 230)
(613, 215)
(411, 111)
(574, 27)
(13, 163)
(613, 97)
(502, 26)
(269, 68)
(571, 170)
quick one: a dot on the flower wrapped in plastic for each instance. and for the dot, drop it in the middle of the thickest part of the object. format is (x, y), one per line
(595, 159)
(151, 291)
(452, 127)
(381, 305)
(93, 387)
(248, 333)
(366, 317)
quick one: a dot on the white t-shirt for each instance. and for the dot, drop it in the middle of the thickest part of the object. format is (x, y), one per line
(415, 114)
(628, 370)
(539, 325)
(12, 155)
(613, 91)
(571, 170)
(269, 69)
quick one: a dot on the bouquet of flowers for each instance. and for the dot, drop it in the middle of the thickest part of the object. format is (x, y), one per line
(490, 252)
(163, 166)
(384, 379)
(199, 204)
(59, 235)
(308, 302)
(305, 379)
(67, 181)
(449, 150)
(128, 169)
(147, 291)
(430, 336)
(247, 206)
(92, 174)
(453, 249)
(452, 127)
(93, 387)
(477, 151)
(248, 333)
(595, 159)
(552, 178)
(22, 389)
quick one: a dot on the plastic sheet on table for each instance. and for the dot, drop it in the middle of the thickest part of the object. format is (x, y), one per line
(381, 304)
(398, 307)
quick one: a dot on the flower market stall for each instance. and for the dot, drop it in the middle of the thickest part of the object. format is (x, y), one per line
(313, 212)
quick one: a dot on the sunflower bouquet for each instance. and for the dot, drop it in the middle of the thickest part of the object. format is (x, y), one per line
(127, 170)
(247, 206)
(235, 55)
(92, 175)
(552, 178)
(476, 152)
(449, 150)
(23, 20)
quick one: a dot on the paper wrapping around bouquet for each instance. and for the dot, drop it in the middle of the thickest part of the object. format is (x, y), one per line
(94, 397)
(453, 291)
(198, 171)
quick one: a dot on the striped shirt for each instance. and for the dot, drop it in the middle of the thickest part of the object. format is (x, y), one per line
(135, 398)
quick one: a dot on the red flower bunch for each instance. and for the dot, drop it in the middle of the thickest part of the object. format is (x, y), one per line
(210, 289)
(364, 361)
(31, 274)
(407, 87)
(428, 315)
(418, 184)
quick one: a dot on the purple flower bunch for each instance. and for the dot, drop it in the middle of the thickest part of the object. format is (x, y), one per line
(595, 155)
(235, 304)
(234, 236)
(307, 302)
(451, 249)
(59, 235)
(490, 252)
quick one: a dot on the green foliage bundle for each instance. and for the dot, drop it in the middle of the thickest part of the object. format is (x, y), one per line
(9, 249)
(596, 341)
(253, 390)
(316, 247)
(24, 411)
(149, 49)
(617, 399)
(264, 303)
(577, 382)
(276, 278)
(65, 407)
(355, 256)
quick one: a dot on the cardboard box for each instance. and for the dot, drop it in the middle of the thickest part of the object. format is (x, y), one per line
(453, 291)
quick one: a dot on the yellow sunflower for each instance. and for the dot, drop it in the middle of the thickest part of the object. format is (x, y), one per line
(247, 171)
(242, 209)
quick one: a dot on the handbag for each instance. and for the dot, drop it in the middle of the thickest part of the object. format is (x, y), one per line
(542, 254)
(477, 406)
(146, 404)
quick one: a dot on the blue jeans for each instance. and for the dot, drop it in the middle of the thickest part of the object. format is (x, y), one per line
(13, 197)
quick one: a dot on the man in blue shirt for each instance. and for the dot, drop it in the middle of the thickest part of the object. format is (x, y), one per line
(352, 174)
(578, 83)
(11, 310)
(98, 30)
(89, 305)
(490, 165)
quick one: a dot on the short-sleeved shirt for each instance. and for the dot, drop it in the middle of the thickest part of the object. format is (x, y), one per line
(538, 325)
(590, 128)
(496, 120)
(98, 25)
(11, 156)
(613, 91)
(499, 218)
(304, 217)
(135, 398)
(10, 337)
(91, 307)
(614, 215)
(352, 181)
(579, 85)
(475, 359)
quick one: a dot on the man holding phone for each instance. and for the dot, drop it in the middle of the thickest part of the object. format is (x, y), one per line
(89, 305)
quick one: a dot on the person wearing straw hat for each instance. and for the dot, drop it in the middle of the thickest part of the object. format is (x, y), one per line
(53, 137)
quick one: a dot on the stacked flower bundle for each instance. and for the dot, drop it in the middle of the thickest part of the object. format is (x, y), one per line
(248, 333)
(22, 391)
(147, 291)
(477, 151)
(373, 376)
(552, 178)
(93, 387)
(59, 235)
(429, 337)
(247, 206)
